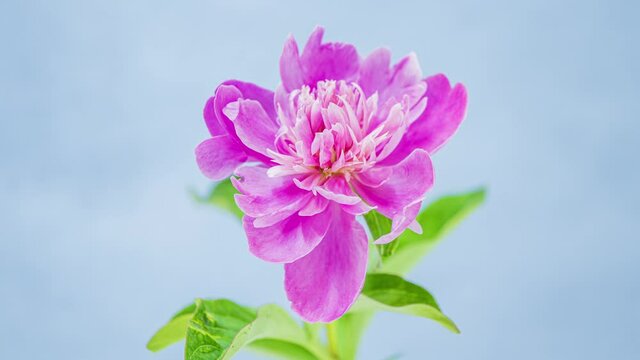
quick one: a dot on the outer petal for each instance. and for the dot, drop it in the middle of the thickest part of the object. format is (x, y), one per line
(289, 239)
(318, 61)
(324, 284)
(219, 156)
(405, 78)
(270, 198)
(446, 107)
(253, 125)
(333, 60)
(400, 195)
(374, 71)
(211, 120)
(252, 91)
(291, 71)
(230, 92)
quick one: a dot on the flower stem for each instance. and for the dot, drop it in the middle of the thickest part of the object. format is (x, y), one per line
(332, 340)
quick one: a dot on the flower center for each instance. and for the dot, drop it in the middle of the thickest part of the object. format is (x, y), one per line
(332, 129)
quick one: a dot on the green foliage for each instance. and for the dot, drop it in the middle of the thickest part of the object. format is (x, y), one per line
(345, 333)
(281, 350)
(389, 292)
(218, 329)
(436, 220)
(380, 225)
(173, 331)
(221, 195)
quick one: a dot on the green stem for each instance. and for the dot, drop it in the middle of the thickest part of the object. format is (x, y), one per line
(332, 340)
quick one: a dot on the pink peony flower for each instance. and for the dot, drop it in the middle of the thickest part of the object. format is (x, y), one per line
(340, 136)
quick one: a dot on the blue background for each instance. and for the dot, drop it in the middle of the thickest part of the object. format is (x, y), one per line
(100, 106)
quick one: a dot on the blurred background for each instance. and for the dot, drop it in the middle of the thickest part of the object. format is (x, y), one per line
(101, 108)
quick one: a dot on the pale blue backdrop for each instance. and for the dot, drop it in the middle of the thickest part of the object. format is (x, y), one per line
(100, 109)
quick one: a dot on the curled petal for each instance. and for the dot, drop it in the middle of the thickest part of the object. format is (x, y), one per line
(375, 176)
(219, 156)
(282, 212)
(211, 120)
(375, 72)
(402, 221)
(337, 189)
(268, 199)
(318, 61)
(291, 71)
(225, 94)
(403, 80)
(230, 92)
(253, 125)
(445, 111)
(406, 79)
(360, 208)
(324, 284)
(400, 196)
(288, 240)
(315, 206)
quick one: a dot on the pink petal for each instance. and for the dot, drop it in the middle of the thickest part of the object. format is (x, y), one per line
(288, 240)
(263, 196)
(444, 114)
(324, 284)
(400, 196)
(402, 221)
(229, 92)
(375, 177)
(291, 71)
(337, 189)
(284, 109)
(253, 180)
(360, 208)
(333, 60)
(375, 72)
(211, 120)
(406, 77)
(282, 211)
(219, 156)
(253, 125)
(445, 111)
(315, 206)
(252, 91)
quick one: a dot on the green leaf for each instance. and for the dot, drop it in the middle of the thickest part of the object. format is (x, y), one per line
(389, 292)
(220, 328)
(286, 350)
(281, 350)
(174, 331)
(436, 220)
(380, 225)
(221, 195)
(346, 333)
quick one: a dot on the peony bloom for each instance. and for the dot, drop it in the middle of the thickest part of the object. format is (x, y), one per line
(341, 135)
